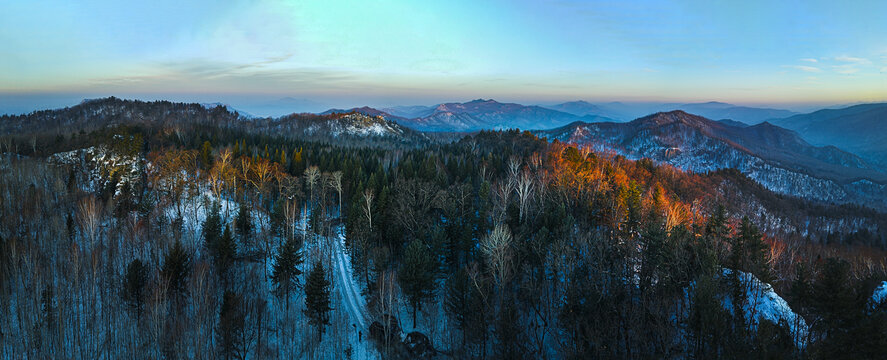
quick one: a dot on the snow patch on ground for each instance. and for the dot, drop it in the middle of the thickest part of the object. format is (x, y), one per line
(764, 303)
(879, 295)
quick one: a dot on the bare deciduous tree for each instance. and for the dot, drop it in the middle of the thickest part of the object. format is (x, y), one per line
(387, 302)
(312, 174)
(513, 167)
(368, 207)
(501, 195)
(524, 190)
(291, 213)
(89, 217)
(337, 184)
(496, 248)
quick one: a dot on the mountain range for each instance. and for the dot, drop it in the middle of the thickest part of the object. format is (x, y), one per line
(476, 115)
(344, 128)
(778, 158)
(858, 129)
(490, 114)
(713, 110)
(775, 157)
(861, 129)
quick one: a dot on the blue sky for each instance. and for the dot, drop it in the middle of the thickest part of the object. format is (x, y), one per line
(348, 53)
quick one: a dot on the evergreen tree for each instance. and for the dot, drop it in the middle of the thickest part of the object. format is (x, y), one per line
(717, 231)
(458, 300)
(317, 298)
(416, 275)
(134, 285)
(315, 225)
(278, 218)
(244, 224)
(224, 251)
(232, 324)
(212, 227)
(507, 328)
(285, 274)
(708, 321)
(834, 302)
(176, 268)
(206, 157)
(801, 290)
(630, 197)
(749, 253)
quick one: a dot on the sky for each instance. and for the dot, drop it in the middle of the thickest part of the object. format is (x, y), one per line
(307, 55)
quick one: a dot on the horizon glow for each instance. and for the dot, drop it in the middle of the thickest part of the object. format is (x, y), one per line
(390, 52)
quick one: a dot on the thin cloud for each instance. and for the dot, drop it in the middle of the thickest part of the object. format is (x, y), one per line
(846, 69)
(851, 59)
(210, 69)
(811, 60)
(805, 68)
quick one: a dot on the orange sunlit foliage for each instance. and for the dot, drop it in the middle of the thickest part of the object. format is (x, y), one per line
(608, 185)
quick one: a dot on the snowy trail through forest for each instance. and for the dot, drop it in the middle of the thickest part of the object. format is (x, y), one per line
(349, 290)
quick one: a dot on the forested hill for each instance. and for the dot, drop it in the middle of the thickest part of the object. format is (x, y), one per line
(45, 131)
(191, 233)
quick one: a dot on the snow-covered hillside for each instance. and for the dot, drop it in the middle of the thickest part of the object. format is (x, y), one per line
(762, 303)
(345, 128)
(786, 164)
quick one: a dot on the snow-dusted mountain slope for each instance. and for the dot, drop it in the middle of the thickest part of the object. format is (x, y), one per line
(351, 126)
(775, 157)
(490, 114)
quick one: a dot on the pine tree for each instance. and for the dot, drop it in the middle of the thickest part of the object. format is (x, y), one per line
(801, 290)
(716, 230)
(833, 298)
(317, 298)
(134, 285)
(286, 268)
(466, 302)
(708, 322)
(278, 217)
(232, 319)
(416, 275)
(212, 227)
(630, 197)
(224, 251)
(507, 328)
(244, 224)
(206, 157)
(176, 267)
(749, 253)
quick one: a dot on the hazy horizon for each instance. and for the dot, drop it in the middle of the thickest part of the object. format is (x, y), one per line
(270, 106)
(796, 56)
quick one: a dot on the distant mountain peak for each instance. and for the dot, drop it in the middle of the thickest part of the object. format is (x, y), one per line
(674, 116)
(475, 101)
(365, 110)
(482, 113)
